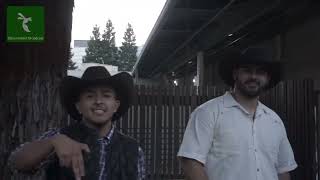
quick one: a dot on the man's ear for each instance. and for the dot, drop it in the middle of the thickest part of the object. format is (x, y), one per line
(234, 74)
(268, 77)
(77, 107)
(117, 104)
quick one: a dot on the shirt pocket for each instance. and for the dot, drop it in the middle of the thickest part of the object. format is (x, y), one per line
(270, 141)
(271, 154)
(226, 143)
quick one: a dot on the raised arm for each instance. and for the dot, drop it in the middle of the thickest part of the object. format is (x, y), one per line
(31, 155)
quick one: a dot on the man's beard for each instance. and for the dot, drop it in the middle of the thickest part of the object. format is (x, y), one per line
(247, 92)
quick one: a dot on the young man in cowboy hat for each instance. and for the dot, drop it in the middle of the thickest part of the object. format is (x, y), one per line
(92, 148)
(235, 136)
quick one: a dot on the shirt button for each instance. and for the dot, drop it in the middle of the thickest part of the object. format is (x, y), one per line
(255, 150)
(258, 169)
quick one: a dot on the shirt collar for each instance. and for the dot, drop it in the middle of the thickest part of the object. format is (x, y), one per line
(262, 108)
(109, 135)
(229, 102)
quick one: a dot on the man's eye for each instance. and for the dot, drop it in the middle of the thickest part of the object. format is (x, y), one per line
(247, 70)
(261, 71)
(89, 96)
(107, 95)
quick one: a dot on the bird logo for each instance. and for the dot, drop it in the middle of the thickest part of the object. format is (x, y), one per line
(24, 22)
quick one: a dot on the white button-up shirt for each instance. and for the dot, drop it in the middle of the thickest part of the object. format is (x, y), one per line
(232, 144)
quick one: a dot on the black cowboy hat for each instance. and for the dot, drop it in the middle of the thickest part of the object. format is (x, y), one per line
(71, 87)
(253, 55)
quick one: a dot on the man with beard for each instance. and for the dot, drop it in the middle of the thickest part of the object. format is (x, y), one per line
(235, 136)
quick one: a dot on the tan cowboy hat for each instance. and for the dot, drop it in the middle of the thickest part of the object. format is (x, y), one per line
(71, 87)
(257, 56)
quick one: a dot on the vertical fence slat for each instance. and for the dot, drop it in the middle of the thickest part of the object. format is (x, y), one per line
(178, 95)
(158, 123)
(318, 134)
(142, 120)
(153, 131)
(164, 133)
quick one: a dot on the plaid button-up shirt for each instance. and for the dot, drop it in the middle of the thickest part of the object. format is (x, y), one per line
(104, 142)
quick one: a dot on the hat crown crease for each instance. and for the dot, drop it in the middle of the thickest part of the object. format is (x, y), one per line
(95, 73)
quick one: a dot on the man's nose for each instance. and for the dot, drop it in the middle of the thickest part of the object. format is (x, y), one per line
(98, 99)
(253, 74)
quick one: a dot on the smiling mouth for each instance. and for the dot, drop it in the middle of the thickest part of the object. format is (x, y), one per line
(252, 86)
(252, 83)
(98, 111)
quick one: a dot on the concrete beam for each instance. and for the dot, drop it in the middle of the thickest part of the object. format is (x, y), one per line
(215, 31)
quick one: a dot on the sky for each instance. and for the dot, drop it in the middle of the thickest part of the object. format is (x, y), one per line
(141, 14)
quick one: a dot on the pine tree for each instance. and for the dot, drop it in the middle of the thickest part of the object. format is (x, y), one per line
(71, 64)
(94, 52)
(128, 50)
(109, 51)
(102, 48)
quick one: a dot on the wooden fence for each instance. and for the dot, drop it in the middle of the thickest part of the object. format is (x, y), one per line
(159, 116)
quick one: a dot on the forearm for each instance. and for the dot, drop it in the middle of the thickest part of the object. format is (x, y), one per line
(284, 176)
(31, 154)
(193, 169)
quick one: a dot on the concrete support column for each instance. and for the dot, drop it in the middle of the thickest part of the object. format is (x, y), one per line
(200, 69)
(136, 77)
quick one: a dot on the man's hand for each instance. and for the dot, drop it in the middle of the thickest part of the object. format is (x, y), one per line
(69, 153)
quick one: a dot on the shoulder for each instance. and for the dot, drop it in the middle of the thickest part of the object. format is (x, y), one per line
(128, 144)
(269, 111)
(213, 102)
(127, 139)
(271, 114)
(211, 105)
(208, 110)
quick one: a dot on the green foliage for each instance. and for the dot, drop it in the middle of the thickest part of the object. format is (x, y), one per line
(109, 50)
(128, 50)
(94, 51)
(102, 48)
(71, 64)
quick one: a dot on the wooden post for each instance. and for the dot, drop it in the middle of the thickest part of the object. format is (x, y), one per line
(30, 75)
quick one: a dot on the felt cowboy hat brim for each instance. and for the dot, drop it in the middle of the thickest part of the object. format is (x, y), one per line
(255, 56)
(71, 87)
